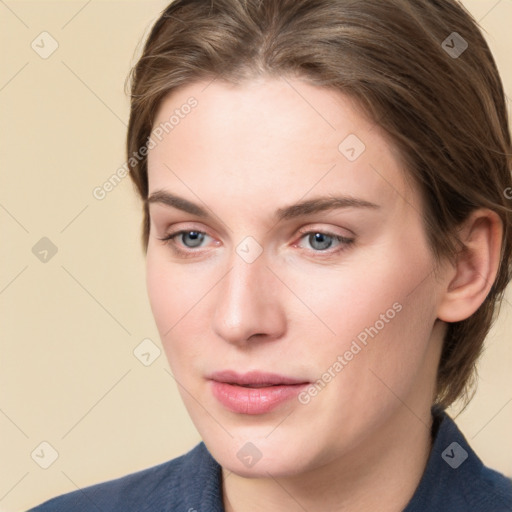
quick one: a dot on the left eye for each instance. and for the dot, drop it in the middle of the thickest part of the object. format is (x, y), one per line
(322, 241)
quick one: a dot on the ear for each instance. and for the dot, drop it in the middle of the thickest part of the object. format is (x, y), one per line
(470, 279)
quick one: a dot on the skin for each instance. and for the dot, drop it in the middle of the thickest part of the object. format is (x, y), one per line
(244, 152)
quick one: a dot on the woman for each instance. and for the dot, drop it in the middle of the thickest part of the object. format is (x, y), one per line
(327, 234)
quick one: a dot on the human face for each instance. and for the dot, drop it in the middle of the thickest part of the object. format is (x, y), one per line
(348, 312)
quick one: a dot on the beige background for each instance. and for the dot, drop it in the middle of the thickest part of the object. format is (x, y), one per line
(69, 326)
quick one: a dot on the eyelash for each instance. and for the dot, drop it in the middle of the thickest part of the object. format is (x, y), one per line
(191, 253)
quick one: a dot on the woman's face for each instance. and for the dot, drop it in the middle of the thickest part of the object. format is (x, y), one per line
(297, 304)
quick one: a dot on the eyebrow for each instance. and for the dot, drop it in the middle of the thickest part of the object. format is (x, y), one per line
(299, 209)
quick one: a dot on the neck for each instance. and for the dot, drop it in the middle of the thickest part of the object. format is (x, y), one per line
(380, 474)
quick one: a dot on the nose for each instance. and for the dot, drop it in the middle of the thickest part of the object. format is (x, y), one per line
(248, 306)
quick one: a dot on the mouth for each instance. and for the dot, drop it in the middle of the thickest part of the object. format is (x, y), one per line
(255, 379)
(266, 385)
(254, 392)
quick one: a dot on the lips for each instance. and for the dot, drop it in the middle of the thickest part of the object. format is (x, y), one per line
(254, 392)
(254, 379)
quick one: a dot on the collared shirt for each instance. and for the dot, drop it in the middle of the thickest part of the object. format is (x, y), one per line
(454, 480)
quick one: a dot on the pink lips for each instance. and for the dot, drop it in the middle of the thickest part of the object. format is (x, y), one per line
(253, 392)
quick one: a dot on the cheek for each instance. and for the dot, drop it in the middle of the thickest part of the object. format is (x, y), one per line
(346, 300)
(161, 292)
(171, 294)
(173, 289)
(178, 297)
(379, 313)
(395, 366)
(380, 352)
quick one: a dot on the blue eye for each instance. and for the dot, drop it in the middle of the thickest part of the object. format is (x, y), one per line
(320, 241)
(196, 237)
(190, 239)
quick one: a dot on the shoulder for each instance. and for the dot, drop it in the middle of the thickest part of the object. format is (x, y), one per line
(497, 485)
(179, 484)
(455, 479)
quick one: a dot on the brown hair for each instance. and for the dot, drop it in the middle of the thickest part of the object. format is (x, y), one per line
(400, 60)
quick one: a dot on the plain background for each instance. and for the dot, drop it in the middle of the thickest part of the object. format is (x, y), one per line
(70, 325)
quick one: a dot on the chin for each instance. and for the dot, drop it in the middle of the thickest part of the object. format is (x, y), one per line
(255, 456)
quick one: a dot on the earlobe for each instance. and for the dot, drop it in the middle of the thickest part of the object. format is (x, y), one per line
(470, 279)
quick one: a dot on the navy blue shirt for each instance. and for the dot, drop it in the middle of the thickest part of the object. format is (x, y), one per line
(455, 480)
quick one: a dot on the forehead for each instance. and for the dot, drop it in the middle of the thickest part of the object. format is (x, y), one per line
(273, 138)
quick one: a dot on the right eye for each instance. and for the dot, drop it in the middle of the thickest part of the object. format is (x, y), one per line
(184, 241)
